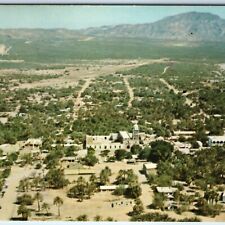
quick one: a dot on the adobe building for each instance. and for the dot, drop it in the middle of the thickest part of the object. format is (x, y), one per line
(114, 141)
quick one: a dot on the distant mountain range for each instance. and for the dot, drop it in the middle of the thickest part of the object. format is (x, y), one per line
(192, 26)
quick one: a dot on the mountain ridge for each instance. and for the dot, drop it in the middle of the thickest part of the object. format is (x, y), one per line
(190, 26)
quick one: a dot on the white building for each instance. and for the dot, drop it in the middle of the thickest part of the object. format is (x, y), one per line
(183, 147)
(216, 140)
(114, 141)
(33, 142)
(149, 167)
(112, 187)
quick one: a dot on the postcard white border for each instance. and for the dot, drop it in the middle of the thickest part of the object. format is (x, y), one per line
(121, 2)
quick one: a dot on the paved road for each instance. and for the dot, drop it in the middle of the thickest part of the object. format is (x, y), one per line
(130, 91)
(7, 202)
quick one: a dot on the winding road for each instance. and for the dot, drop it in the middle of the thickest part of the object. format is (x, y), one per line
(165, 69)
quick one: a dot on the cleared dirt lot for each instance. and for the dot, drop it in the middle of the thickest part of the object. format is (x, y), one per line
(73, 73)
(101, 202)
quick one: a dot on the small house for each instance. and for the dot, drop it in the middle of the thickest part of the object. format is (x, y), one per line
(111, 187)
(167, 191)
(149, 167)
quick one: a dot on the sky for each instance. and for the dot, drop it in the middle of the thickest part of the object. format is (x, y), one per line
(78, 17)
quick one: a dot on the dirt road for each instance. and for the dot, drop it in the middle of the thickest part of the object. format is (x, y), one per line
(130, 91)
(165, 69)
(170, 87)
(188, 101)
(176, 91)
(79, 101)
(7, 202)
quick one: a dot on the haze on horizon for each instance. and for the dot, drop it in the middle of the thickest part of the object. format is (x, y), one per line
(79, 17)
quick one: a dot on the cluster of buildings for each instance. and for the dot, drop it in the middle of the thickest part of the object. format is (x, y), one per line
(114, 141)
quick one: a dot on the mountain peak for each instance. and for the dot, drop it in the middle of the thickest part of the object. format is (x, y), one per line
(190, 26)
(195, 15)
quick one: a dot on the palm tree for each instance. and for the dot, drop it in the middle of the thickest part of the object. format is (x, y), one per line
(45, 206)
(58, 202)
(38, 196)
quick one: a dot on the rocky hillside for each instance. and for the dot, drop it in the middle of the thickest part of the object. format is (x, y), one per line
(193, 26)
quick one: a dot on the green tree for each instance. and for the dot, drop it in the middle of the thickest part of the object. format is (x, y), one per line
(135, 149)
(37, 181)
(25, 199)
(82, 218)
(90, 158)
(208, 209)
(38, 196)
(24, 185)
(120, 190)
(160, 151)
(46, 207)
(120, 154)
(138, 207)
(154, 217)
(122, 177)
(80, 190)
(159, 201)
(58, 202)
(104, 175)
(133, 191)
(56, 178)
(98, 218)
(24, 211)
(109, 219)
